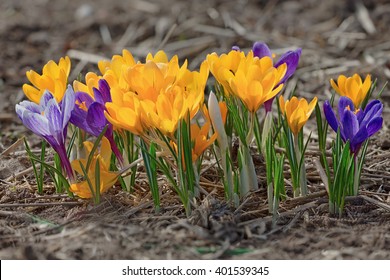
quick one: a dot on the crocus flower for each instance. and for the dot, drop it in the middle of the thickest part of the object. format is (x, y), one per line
(253, 80)
(290, 58)
(355, 126)
(49, 120)
(113, 71)
(88, 114)
(297, 112)
(107, 178)
(200, 135)
(160, 93)
(352, 87)
(54, 78)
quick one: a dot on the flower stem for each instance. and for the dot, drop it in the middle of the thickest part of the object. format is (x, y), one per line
(302, 172)
(356, 178)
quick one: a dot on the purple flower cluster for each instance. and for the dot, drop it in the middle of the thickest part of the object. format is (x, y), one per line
(355, 125)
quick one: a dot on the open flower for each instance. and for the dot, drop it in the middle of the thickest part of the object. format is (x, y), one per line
(297, 112)
(113, 71)
(254, 80)
(54, 78)
(290, 58)
(88, 113)
(49, 120)
(200, 135)
(160, 94)
(352, 87)
(356, 126)
(107, 178)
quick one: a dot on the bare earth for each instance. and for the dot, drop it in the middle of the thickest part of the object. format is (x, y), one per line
(336, 37)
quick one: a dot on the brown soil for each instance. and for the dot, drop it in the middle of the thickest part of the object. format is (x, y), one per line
(336, 37)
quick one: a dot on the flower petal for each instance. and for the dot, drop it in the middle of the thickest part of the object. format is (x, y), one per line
(33, 121)
(330, 116)
(373, 110)
(30, 106)
(67, 105)
(46, 97)
(261, 49)
(374, 126)
(358, 139)
(350, 124)
(95, 118)
(291, 58)
(78, 118)
(54, 117)
(344, 102)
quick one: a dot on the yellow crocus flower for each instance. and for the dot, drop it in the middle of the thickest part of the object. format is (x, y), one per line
(352, 87)
(107, 178)
(297, 112)
(160, 93)
(54, 78)
(254, 80)
(200, 135)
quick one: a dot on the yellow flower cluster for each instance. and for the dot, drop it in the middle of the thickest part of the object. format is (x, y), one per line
(152, 95)
(254, 80)
(352, 87)
(297, 112)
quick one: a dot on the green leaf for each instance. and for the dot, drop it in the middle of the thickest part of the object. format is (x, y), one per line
(95, 146)
(97, 182)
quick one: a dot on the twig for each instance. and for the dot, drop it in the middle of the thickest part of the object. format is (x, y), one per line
(376, 202)
(167, 36)
(364, 18)
(89, 57)
(24, 172)
(11, 148)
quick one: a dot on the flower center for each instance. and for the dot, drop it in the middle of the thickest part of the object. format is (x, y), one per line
(349, 109)
(82, 105)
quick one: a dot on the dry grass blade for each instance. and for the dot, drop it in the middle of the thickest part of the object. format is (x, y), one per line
(376, 202)
(13, 147)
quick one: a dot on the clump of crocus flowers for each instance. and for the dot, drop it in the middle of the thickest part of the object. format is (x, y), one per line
(153, 113)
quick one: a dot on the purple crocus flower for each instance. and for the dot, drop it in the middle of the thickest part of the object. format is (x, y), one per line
(291, 58)
(49, 120)
(355, 126)
(88, 114)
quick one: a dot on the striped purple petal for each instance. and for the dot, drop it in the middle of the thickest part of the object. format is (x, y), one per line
(374, 126)
(67, 106)
(96, 119)
(54, 117)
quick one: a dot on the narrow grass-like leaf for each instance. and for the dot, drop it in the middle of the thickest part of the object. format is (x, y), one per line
(32, 157)
(71, 142)
(42, 168)
(94, 148)
(90, 185)
(97, 182)
(149, 158)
